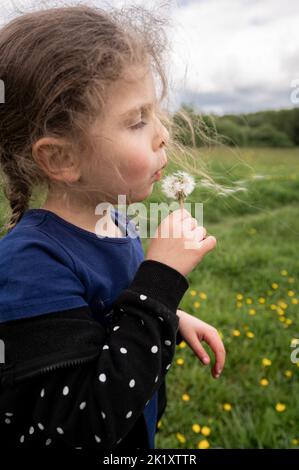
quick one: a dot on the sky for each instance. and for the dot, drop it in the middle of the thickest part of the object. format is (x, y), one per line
(227, 56)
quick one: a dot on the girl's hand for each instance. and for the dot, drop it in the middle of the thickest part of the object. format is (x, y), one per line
(194, 331)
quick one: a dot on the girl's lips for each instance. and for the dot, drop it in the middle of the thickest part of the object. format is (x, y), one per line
(158, 175)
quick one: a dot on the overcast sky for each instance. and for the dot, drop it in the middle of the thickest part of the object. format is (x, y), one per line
(229, 56)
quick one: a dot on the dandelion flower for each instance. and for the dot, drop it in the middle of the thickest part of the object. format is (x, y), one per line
(294, 301)
(236, 332)
(182, 345)
(178, 186)
(196, 428)
(274, 286)
(280, 407)
(203, 444)
(249, 301)
(288, 373)
(193, 293)
(239, 297)
(180, 437)
(252, 311)
(262, 300)
(203, 296)
(264, 382)
(291, 293)
(249, 334)
(284, 272)
(185, 397)
(196, 304)
(180, 361)
(266, 362)
(227, 407)
(205, 431)
(295, 442)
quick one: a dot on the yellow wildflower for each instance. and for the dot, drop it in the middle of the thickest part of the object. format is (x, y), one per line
(249, 301)
(295, 442)
(196, 428)
(236, 333)
(185, 397)
(288, 373)
(280, 407)
(249, 334)
(180, 437)
(196, 304)
(291, 293)
(274, 286)
(289, 321)
(273, 307)
(182, 345)
(205, 431)
(252, 311)
(264, 382)
(266, 362)
(284, 272)
(159, 425)
(291, 280)
(294, 301)
(227, 407)
(180, 361)
(203, 444)
(203, 296)
(239, 297)
(262, 300)
(193, 293)
(239, 304)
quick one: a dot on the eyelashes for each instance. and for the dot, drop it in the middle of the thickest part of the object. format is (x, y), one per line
(139, 125)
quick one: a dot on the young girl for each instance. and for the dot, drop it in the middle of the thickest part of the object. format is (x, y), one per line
(89, 324)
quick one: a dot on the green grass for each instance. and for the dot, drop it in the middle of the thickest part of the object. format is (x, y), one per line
(258, 238)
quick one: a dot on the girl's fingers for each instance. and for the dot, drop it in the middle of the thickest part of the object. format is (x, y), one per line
(200, 351)
(214, 341)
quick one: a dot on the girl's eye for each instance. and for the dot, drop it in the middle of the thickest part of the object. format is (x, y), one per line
(139, 125)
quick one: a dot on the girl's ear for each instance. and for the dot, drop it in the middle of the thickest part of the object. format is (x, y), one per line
(56, 159)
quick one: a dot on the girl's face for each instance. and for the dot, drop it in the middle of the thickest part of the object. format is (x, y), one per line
(128, 140)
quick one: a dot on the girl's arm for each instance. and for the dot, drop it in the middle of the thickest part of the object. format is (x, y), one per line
(69, 382)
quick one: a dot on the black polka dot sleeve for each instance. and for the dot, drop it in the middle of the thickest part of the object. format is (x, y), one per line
(68, 381)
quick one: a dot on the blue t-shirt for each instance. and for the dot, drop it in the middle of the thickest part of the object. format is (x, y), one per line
(48, 265)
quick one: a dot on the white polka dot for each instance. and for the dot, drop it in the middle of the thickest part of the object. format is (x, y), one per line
(142, 322)
(156, 379)
(7, 421)
(22, 438)
(97, 438)
(167, 342)
(160, 318)
(121, 309)
(78, 447)
(116, 328)
(105, 347)
(60, 430)
(143, 297)
(42, 393)
(129, 414)
(8, 414)
(154, 349)
(41, 427)
(132, 383)
(103, 414)
(48, 442)
(169, 365)
(102, 378)
(119, 441)
(82, 405)
(31, 430)
(147, 402)
(123, 350)
(65, 390)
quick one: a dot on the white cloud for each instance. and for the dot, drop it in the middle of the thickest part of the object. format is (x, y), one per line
(228, 55)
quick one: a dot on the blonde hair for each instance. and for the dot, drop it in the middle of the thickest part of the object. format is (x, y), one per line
(57, 64)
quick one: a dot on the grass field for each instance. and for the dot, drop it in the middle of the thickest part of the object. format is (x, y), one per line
(248, 289)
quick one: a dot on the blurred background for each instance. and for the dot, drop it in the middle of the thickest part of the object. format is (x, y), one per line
(234, 70)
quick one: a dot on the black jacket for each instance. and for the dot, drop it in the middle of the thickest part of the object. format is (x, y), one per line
(68, 381)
